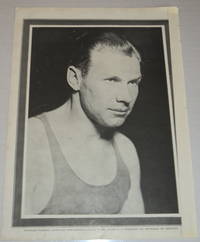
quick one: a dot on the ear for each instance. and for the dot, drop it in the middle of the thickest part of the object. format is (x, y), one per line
(74, 77)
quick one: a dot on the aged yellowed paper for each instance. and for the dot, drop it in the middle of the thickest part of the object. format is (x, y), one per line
(98, 142)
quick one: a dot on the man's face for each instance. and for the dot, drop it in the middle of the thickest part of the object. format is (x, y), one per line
(110, 89)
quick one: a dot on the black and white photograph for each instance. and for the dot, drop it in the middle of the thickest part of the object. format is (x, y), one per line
(97, 142)
(99, 139)
(99, 133)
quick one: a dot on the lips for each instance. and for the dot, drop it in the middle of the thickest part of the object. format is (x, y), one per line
(119, 111)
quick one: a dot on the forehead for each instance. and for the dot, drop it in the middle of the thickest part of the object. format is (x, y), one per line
(112, 61)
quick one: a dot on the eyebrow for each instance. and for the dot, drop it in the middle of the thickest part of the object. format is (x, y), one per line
(118, 79)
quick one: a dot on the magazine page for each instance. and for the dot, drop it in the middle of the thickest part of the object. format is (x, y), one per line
(98, 142)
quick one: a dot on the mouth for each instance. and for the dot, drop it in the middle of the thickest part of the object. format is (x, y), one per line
(119, 112)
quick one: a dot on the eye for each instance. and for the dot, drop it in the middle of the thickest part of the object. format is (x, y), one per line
(132, 82)
(136, 81)
(112, 80)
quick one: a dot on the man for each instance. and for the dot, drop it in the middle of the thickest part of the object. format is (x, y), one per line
(77, 161)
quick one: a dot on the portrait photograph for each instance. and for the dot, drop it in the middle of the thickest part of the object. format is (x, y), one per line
(97, 140)
(123, 102)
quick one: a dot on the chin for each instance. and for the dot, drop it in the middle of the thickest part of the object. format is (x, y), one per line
(115, 124)
(110, 122)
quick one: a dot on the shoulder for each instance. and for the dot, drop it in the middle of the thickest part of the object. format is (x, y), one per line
(38, 166)
(35, 128)
(128, 153)
(36, 138)
(125, 145)
(134, 203)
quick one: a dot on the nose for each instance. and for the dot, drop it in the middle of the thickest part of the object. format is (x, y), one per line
(125, 95)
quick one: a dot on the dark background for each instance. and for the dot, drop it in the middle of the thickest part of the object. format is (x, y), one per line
(149, 124)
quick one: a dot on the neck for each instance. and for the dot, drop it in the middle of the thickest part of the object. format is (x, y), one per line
(79, 121)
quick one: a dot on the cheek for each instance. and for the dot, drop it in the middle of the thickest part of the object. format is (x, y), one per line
(134, 94)
(92, 97)
(99, 95)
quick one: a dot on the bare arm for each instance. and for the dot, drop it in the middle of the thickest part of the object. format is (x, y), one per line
(38, 170)
(134, 203)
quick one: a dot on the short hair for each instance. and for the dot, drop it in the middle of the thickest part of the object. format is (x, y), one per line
(87, 41)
